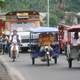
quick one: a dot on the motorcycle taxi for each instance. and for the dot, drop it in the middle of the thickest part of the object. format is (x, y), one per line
(45, 47)
(73, 45)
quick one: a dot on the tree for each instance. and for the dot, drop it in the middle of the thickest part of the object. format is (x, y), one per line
(41, 5)
(2, 2)
(72, 5)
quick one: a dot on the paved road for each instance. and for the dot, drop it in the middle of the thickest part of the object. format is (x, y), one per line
(3, 73)
(40, 71)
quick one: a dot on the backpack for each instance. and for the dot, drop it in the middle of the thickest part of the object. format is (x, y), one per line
(17, 38)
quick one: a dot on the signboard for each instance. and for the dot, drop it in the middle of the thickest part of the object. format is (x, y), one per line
(22, 15)
(21, 27)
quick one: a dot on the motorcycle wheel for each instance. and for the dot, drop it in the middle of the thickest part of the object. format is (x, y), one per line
(48, 63)
(33, 61)
(14, 56)
(70, 63)
(55, 60)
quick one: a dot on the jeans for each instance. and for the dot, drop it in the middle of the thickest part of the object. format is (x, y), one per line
(3, 48)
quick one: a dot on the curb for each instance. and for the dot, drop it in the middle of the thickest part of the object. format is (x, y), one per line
(12, 72)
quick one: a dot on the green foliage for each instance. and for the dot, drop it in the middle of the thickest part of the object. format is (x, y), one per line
(41, 5)
(72, 5)
(2, 2)
(13, 5)
(55, 17)
(54, 20)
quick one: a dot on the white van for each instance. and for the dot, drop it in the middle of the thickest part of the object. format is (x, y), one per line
(23, 31)
(25, 36)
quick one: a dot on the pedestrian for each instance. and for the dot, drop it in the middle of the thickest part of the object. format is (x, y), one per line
(1, 46)
(7, 44)
(4, 42)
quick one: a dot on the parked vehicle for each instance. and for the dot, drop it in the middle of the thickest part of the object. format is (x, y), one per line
(24, 40)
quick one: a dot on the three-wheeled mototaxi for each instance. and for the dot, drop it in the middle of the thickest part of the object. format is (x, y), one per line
(46, 46)
(73, 45)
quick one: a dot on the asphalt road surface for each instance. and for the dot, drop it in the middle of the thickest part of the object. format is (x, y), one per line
(40, 71)
(3, 73)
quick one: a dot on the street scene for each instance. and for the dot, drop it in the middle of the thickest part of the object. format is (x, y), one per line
(39, 40)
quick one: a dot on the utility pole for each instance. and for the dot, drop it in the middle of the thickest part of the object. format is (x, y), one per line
(48, 13)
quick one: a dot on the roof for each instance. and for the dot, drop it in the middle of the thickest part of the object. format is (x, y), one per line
(14, 12)
(74, 28)
(44, 29)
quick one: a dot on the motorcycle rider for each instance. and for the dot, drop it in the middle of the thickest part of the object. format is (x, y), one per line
(14, 39)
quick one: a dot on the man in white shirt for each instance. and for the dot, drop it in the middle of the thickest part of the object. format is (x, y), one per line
(14, 39)
(73, 40)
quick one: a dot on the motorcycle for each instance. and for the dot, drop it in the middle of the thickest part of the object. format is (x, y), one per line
(14, 51)
(47, 50)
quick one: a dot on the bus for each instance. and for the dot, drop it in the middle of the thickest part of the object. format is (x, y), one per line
(22, 21)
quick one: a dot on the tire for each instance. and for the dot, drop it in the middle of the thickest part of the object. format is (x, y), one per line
(55, 60)
(70, 63)
(14, 56)
(13, 59)
(33, 61)
(48, 63)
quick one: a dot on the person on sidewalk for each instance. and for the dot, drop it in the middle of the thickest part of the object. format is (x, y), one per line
(4, 42)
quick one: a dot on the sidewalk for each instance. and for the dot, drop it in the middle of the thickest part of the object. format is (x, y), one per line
(7, 72)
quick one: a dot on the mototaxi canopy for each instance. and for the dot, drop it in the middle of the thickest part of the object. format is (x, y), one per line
(74, 28)
(43, 29)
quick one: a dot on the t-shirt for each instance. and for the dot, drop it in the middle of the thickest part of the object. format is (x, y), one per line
(74, 42)
(14, 38)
